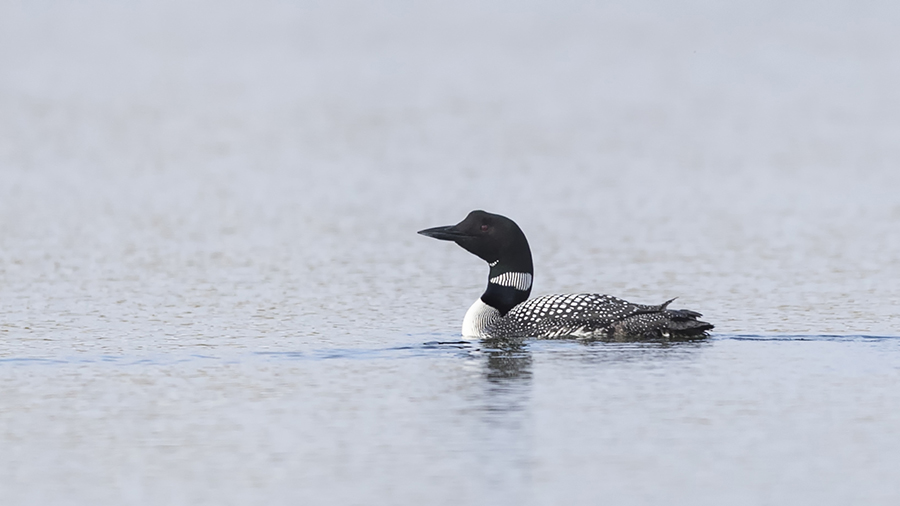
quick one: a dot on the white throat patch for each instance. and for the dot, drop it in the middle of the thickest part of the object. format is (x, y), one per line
(517, 280)
(478, 317)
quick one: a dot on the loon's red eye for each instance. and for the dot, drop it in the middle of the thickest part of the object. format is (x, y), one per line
(484, 228)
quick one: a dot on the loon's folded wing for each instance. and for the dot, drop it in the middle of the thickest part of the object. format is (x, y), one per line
(597, 315)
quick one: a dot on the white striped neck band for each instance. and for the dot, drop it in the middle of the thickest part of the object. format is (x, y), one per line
(517, 280)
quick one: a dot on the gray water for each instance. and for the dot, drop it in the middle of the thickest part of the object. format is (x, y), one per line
(211, 289)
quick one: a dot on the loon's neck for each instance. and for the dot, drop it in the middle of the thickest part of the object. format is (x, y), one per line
(505, 290)
(508, 286)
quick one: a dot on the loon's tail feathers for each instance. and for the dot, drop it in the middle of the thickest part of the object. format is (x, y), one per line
(678, 313)
(684, 323)
(649, 309)
(665, 305)
(684, 314)
(661, 324)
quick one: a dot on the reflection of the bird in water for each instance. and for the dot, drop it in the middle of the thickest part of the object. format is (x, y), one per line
(506, 365)
(507, 360)
(648, 351)
(511, 361)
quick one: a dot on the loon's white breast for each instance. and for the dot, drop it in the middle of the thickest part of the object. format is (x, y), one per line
(479, 317)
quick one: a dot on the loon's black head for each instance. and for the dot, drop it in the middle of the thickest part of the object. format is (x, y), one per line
(501, 243)
(495, 239)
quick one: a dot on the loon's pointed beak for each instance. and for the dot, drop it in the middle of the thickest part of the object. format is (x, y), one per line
(448, 233)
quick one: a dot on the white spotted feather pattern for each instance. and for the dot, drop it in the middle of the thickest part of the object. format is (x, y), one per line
(588, 315)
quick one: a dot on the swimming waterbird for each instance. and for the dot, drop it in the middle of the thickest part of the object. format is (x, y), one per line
(504, 310)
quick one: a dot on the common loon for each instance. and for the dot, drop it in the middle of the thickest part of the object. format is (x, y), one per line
(504, 311)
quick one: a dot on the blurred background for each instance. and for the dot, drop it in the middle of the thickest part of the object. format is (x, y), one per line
(221, 178)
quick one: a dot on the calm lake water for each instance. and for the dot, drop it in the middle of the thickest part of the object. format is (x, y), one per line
(212, 292)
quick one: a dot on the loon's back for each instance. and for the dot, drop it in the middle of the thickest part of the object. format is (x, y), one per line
(596, 316)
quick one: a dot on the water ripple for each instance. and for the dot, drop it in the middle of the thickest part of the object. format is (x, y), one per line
(435, 349)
